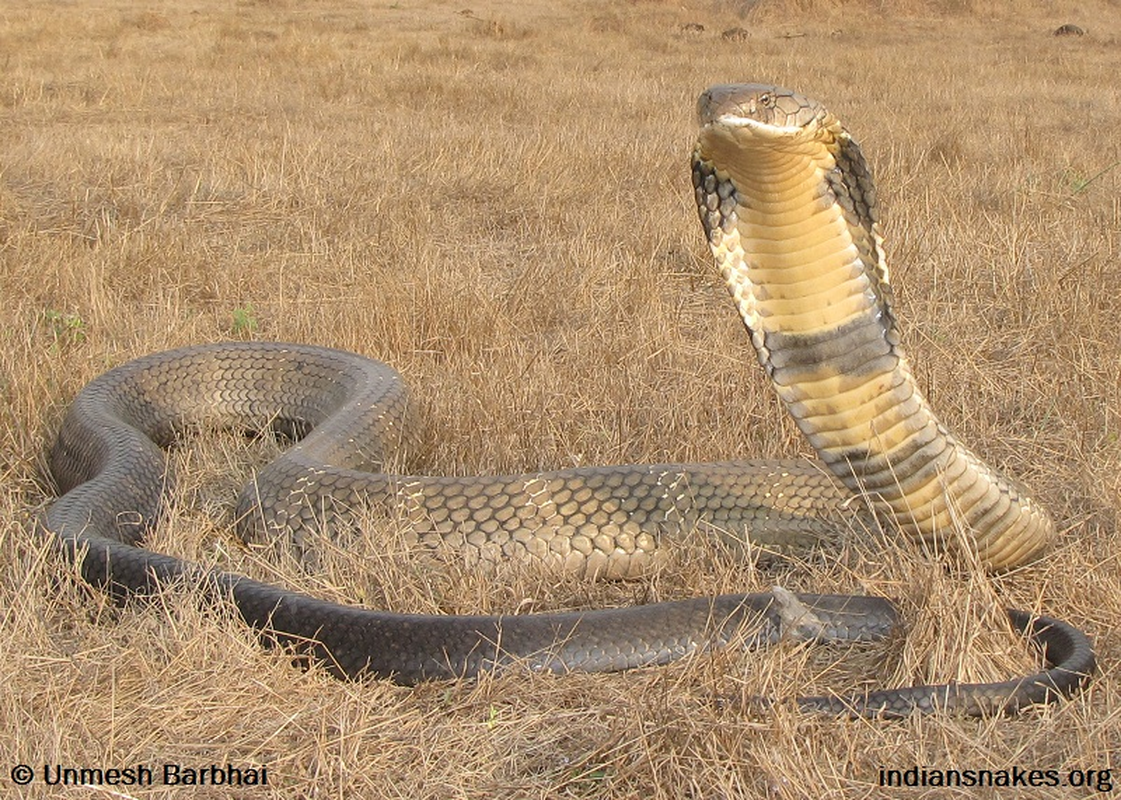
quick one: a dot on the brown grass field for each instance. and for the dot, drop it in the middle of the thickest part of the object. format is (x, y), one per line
(495, 199)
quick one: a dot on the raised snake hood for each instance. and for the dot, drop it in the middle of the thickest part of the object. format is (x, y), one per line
(790, 210)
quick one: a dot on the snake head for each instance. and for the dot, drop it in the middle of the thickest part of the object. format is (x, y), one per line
(759, 109)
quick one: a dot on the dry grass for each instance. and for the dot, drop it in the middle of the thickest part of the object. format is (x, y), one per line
(497, 203)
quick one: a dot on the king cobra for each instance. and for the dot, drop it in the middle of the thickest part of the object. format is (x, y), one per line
(789, 209)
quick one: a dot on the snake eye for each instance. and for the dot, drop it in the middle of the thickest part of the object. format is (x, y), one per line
(767, 100)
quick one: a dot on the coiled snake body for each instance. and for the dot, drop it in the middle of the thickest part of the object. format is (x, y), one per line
(789, 209)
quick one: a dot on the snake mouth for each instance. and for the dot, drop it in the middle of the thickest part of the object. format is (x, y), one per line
(742, 130)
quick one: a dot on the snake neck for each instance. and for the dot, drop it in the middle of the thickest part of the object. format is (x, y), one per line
(792, 224)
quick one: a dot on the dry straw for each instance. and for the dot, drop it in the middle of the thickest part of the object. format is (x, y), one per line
(497, 203)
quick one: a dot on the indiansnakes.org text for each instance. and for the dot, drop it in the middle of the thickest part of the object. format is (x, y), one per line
(1013, 777)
